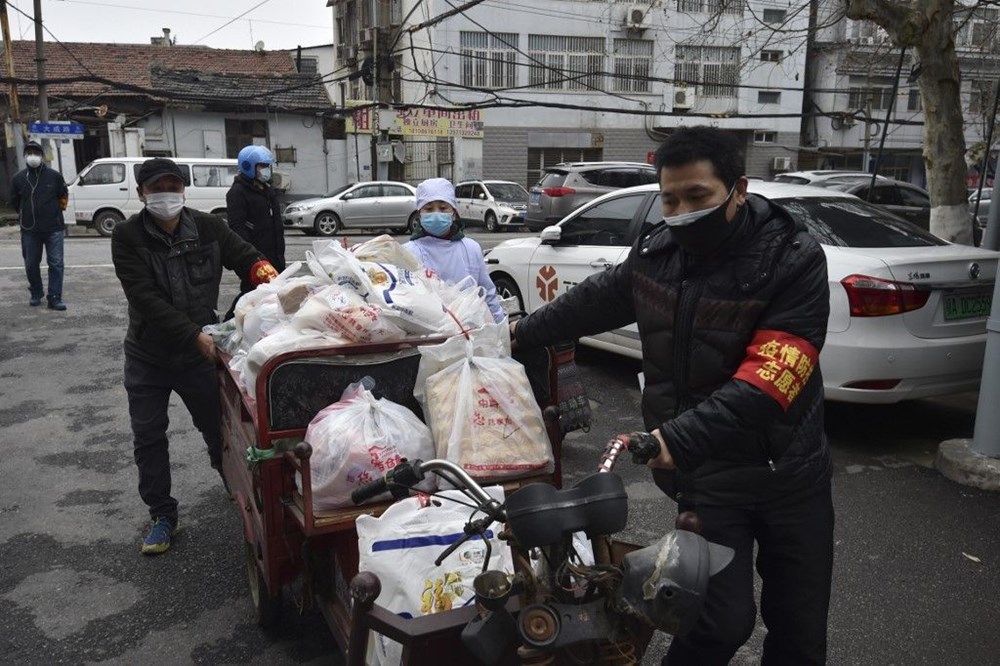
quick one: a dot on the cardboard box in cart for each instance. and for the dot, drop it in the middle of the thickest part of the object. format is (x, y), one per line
(285, 540)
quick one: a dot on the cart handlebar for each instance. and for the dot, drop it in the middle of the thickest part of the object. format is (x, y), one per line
(407, 473)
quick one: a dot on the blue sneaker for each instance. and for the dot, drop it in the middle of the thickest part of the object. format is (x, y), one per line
(56, 303)
(35, 301)
(158, 539)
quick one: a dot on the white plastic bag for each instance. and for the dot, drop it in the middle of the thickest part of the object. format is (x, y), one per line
(345, 314)
(282, 339)
(385, 249)
(400, 548)
(481, 409)
(359, 438)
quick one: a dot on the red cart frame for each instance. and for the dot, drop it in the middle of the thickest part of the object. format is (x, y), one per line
(288, 544)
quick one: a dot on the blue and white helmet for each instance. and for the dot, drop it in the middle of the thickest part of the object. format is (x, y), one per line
(250, 157)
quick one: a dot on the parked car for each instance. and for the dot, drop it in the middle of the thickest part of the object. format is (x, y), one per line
(907, 310)
(495, 203)
(983, 214)
(565, 187)
(373, 205)
(908, 201)
(817, 177)
(104, 193)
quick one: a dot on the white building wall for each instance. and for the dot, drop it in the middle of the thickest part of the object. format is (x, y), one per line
(319, 167)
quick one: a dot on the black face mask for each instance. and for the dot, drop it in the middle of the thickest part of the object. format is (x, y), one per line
(707, 232)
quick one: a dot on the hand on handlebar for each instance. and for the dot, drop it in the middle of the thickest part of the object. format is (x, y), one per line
(648, 448)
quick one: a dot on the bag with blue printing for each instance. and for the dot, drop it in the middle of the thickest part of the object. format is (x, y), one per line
(400, 547)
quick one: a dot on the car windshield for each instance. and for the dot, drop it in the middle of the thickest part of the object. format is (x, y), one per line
(338, 190)
(511, 192)
(845, 223)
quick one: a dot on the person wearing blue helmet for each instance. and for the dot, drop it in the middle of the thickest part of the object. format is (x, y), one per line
(254, 210)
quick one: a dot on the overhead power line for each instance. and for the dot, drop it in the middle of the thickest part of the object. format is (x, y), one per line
(232, 20)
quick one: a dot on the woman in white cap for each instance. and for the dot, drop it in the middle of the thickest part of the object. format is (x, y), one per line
(440, 243)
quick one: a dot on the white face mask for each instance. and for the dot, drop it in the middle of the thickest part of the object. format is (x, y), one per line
(164, 205)
(33, 161)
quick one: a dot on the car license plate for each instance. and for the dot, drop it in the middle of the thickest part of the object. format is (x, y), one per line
(536, 197)
(967, 306)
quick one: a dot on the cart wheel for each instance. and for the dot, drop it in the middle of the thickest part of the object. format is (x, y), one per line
(267, 608)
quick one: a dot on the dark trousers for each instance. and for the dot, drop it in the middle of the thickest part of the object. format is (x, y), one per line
(32, 244)
(795, 561)
(148, 387)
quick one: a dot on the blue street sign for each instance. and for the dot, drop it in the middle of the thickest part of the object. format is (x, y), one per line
(66, 130)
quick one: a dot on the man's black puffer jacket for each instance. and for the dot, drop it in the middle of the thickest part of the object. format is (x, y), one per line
(732, 439)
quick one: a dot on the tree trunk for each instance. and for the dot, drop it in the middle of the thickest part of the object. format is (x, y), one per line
(944, 141)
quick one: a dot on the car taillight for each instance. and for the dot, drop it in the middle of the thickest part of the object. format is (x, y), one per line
(875, 297)
(557, 191)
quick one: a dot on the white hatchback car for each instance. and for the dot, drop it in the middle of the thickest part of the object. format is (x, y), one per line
(907, 309)
(498, 204)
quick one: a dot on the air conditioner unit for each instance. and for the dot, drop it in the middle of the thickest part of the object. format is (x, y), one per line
(781, 163)
(367, 35)
(347, 52)
(636, 17)
(683, 98)
(281, 181)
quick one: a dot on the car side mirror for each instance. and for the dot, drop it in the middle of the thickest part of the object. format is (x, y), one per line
(349, 195)
(482, 196)
(551, 235)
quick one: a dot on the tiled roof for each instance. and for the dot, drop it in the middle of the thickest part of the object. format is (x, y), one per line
(133, 64)
(273, 91)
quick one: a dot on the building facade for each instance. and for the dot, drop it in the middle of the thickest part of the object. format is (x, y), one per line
(852, 83)
(571, 80)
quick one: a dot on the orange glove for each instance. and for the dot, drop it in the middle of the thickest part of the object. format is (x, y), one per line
(262, 272)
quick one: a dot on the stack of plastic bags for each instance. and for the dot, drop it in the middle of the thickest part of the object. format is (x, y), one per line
(371, 293)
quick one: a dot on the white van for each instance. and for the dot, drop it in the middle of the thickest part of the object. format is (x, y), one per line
(104, 193)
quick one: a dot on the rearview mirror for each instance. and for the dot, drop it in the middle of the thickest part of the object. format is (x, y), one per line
(551, 235)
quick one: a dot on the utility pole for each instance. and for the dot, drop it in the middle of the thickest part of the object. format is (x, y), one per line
(43, 101)
(382, 87)
(14, 131)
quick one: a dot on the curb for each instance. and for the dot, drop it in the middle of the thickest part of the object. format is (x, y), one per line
(957, 461)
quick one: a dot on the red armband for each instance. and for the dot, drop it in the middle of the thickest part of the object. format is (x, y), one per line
(262, 272)
(779, 364)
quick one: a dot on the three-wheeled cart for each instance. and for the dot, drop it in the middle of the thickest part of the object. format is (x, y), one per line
(313, 555)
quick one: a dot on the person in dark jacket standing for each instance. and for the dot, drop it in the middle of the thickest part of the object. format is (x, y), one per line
(731, 300)
(169, 259)
(254, 211)
(38, 194)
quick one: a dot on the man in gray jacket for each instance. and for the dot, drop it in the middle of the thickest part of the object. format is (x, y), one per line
(38, 194)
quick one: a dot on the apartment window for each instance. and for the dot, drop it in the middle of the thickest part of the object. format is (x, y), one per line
(768, 97)
(633, 61)
(489, 60)
(774, 16)
(871, 93)
(240, 133)
(762, 136)
(913, 102)
(566, 63)
(734, 7)
(984, 35)
(981, 96)
(715, 69)
(771, 56)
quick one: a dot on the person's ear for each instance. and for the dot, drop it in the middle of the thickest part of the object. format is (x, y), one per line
(740, 191)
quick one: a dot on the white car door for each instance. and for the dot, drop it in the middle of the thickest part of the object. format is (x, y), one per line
(103, 186)
(477, 205)
(594, 239)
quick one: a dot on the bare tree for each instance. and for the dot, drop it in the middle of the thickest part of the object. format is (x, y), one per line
(927, 27)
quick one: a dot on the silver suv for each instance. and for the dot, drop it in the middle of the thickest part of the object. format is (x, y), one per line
(565, 187)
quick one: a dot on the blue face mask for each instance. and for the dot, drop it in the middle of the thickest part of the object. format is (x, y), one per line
(264, 174)
(436, 224)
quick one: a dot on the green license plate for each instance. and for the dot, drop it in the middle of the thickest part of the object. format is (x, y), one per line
(968, 306)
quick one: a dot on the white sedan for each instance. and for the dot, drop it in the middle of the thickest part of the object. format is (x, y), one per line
(907, 309)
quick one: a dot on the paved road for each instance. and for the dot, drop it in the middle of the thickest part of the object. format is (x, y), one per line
(73, 588)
